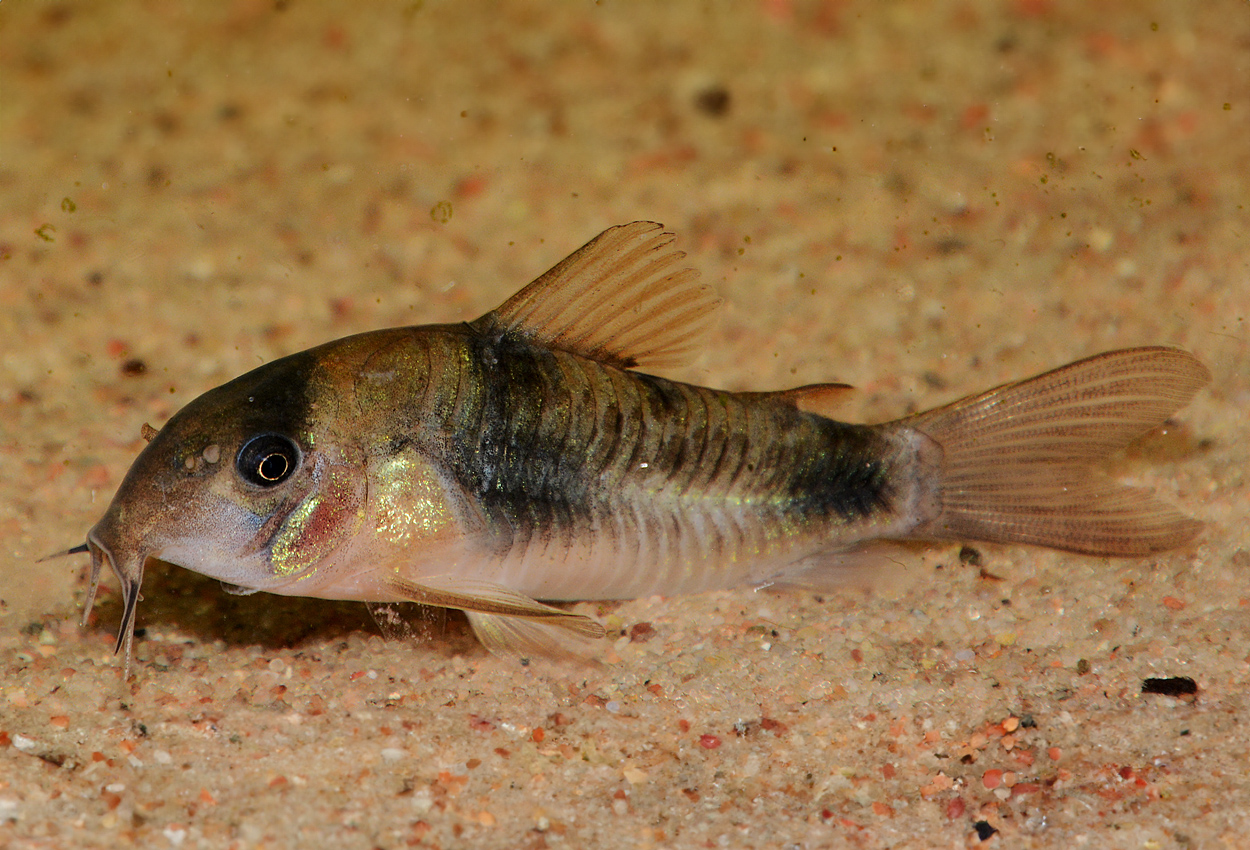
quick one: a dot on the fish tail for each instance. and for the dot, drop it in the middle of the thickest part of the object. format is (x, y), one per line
(1017, 464)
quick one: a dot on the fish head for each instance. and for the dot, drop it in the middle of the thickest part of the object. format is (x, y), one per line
(253, 483)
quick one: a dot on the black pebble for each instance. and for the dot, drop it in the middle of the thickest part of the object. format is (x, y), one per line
(970, 556)
(1174, 686)
(984, 830)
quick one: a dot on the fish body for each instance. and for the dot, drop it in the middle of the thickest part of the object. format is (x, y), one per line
(499, 460)
(526, 456)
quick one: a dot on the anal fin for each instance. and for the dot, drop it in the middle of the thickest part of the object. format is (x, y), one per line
(871, 563)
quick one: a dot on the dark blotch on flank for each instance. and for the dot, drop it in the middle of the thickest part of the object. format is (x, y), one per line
(663, 396)
(513, 449)
(848, 478)
(510, 459)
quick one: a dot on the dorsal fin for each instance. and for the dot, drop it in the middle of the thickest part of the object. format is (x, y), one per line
(821, 399)
(622, 299)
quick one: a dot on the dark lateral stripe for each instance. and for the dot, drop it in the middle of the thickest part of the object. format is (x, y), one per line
(511, 455)
(716, 440)
(549, 443)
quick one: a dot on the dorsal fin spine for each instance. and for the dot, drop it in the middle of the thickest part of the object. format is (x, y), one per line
(618, 300)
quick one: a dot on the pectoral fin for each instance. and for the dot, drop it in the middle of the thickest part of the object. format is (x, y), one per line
(506, 622)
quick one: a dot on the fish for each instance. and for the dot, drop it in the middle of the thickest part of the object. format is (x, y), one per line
(531, 456)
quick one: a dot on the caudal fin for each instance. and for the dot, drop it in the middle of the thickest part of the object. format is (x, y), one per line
(1018, 461)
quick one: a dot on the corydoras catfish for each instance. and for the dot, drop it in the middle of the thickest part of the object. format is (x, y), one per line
(524, 456)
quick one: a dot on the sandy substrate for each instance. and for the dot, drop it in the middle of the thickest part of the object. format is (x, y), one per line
(919, 199)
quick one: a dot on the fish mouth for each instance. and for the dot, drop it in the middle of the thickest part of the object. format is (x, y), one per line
(130, 577)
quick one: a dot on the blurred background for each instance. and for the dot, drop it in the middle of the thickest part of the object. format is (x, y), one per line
(921, 199)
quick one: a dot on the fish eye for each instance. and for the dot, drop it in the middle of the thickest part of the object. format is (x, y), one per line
(267, 460)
